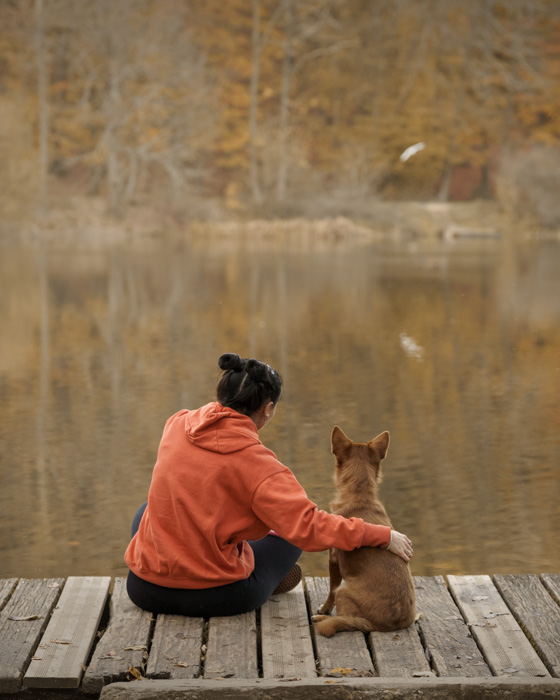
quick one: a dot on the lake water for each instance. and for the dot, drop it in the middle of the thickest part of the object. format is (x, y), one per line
(452, 347)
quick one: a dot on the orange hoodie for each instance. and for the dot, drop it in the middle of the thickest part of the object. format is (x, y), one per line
(215, 486)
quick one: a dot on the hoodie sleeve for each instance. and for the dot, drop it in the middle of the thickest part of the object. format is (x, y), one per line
(282, 504)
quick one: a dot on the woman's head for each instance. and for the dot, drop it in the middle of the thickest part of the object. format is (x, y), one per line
(247, 384)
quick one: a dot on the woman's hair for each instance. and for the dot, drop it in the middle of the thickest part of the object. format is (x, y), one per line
(247, 384)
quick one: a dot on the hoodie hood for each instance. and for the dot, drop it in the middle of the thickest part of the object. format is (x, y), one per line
(219, 429)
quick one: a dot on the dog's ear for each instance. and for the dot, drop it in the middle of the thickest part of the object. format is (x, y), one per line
(339, 441)
(380, 444)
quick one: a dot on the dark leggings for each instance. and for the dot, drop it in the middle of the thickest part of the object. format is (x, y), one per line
(274, 557)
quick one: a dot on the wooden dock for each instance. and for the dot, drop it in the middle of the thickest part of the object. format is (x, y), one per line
(81, 635)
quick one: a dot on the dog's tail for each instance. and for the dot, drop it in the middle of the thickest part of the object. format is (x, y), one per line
(329, 626)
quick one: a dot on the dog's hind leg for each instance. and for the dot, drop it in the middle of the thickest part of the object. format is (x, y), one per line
(335, 581)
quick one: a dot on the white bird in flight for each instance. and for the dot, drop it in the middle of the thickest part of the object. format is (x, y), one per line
(411, 150)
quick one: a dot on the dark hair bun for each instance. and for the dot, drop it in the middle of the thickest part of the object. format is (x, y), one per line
(229, 360)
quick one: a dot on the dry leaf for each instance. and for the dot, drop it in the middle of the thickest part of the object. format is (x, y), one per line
(397, 636)
(183, 664)
(23, 618)
(60, 641)
(342, 671)
(135, 673)
(136, 648)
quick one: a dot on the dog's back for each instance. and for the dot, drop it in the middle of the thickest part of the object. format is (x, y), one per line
(378, 591)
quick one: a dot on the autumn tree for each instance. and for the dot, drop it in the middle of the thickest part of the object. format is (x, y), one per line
(132, 96)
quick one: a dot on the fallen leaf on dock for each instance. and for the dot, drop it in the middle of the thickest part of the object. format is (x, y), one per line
(23, 618)
(136, 648)
(135, 673)
(341, 671)
(60, 641)
(183, 664)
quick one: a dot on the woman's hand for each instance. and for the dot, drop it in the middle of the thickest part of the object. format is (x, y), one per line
(400, 545)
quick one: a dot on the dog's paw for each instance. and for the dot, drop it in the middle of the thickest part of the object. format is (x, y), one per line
(319, 617)
(324, 625)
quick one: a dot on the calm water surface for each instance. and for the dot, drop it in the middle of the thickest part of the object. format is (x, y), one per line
(453, 348)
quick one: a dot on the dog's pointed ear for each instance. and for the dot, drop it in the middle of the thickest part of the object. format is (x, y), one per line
(380, 444)
(339, 441)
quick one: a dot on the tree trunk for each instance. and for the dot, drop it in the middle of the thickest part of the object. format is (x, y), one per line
(253, 107)
(114, 175)
(40, 15)
(287, 71)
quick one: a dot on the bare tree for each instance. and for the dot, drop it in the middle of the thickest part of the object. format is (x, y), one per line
(146, 96)
(43, 102)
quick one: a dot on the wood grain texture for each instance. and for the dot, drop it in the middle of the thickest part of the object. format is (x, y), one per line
(345, 654)
(287, 650)
(232, 647)
(7, 587)
(536, 612)
(506, 649)
(447, 639)
(123, 645)
(399, 654)
(32, 602)
(176, 650)
(552, 584)
(60, 658)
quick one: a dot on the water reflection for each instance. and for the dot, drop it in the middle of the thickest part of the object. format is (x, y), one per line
(453, 348)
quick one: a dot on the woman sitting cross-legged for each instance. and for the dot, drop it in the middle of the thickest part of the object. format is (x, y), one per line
(225, 521)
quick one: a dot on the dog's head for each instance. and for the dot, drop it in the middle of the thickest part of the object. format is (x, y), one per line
(355, 457)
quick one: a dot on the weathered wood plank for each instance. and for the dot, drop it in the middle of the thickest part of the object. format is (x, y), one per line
(399, 654)
(7, 586)
(32, 602)
(232, 647)
(345, 654)
(506, 649)
(287, 650)
(450, 645)
(123, 645)
(60, 658)
(176, 647)
(536, 612)
(552, 585)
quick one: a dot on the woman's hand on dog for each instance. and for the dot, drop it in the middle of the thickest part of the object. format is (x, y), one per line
(400, 545)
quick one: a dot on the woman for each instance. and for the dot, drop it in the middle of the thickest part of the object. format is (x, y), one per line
(225, 521)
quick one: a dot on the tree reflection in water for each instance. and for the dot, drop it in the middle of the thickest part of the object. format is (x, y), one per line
(100, 347)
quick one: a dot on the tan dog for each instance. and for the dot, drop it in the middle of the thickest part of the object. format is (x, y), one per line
(378, 591)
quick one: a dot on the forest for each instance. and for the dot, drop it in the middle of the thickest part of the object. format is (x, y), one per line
(279, 108)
